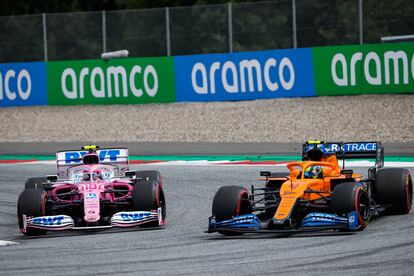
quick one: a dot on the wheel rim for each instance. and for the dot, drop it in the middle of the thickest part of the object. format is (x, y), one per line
(408, 192)
(161, 202)
(242, 203)
(363, 206)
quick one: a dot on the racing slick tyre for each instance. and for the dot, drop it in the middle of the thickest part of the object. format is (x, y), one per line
(230, 201)
(351, 196)
(149, 176)
(149, 196)
(31, 202)
(35, 182)
(394, 186)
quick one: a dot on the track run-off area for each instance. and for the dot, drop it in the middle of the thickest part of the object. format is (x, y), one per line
(385, 247)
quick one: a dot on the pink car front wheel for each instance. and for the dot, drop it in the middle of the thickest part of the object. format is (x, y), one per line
(149, 196)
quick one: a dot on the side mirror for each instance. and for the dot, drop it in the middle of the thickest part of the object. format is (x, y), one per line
(267, 174)
(131, 174)
(51, 178)
(347, 173)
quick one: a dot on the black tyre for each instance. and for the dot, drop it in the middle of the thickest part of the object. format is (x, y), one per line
(149, 176)
(149, 196)
(35, 182)
(231, 201)
(351, 196)
(394, 186)
(31, 202)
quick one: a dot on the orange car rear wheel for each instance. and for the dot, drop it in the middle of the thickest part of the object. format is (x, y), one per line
(393, 186)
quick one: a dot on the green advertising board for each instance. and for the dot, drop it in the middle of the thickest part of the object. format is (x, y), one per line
(364, 69)
(118, 81)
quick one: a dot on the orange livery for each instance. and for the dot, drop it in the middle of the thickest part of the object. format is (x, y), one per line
(315, 194)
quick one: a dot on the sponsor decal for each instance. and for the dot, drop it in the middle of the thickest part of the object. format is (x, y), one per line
(364, 69)
(353, 222)
(77, 178)
(115, 77)
(322, 216)
(250, 72)
(23, 84)
(89, 186)
(249, 220)
(106, 175)
(90, 196)
(323, 219)
(354, 147)
(394, 64)
(52, 220)
(135, 216)
(104, 155)
(244, 76)
(244, 220)
(348, 147)
(122, 81)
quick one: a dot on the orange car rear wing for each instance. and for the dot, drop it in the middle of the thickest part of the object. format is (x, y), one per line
(345, 150)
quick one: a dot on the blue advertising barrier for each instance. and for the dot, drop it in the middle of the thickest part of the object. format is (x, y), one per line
(23, 84)
(244, 76)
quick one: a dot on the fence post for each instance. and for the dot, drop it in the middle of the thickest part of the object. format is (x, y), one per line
(167, 30)
(361, 21)
(230, 27)
(104, 31)
(44, 37)
(294, 34)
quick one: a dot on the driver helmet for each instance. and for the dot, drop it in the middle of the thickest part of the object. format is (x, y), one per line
(90, 158)
(86, 176)
(315, 172)
(96, 175)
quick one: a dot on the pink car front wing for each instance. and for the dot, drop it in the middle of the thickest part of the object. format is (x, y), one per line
(120, 219)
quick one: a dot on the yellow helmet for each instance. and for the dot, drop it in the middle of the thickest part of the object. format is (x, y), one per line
(315, 172)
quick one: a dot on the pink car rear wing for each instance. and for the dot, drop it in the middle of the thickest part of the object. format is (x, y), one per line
(108, 156)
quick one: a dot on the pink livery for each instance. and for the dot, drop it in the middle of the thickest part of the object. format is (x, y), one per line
(93, 188)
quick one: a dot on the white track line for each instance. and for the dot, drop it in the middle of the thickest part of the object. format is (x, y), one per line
(6, 243)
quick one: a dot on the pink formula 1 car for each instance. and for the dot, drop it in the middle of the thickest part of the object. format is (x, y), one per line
(93, 188)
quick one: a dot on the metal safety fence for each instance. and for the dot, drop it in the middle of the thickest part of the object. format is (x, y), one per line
(231, 27)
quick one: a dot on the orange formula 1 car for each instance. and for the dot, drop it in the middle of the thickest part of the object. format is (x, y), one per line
(317, 194)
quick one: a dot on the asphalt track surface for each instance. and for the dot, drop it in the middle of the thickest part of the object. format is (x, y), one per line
(384, 248)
